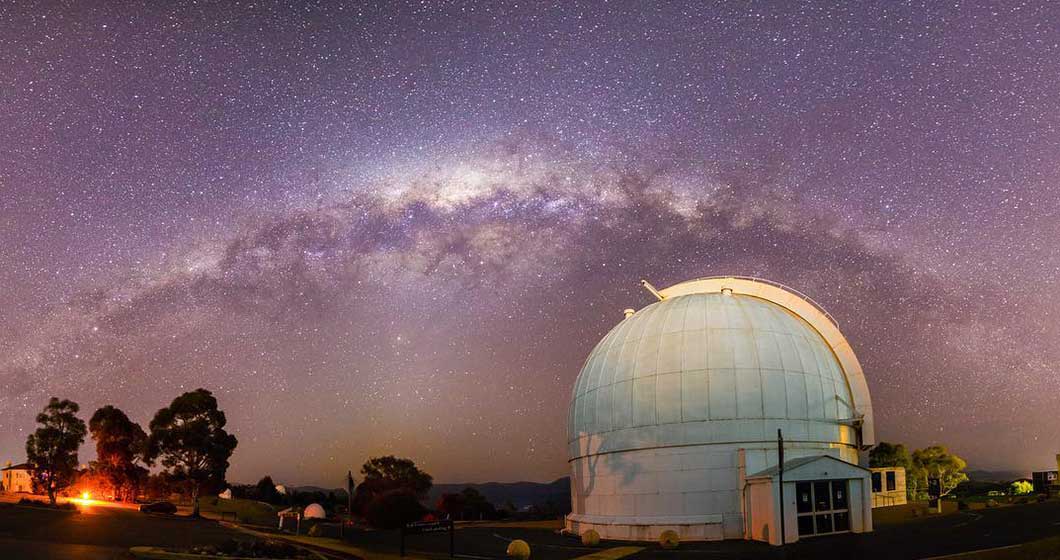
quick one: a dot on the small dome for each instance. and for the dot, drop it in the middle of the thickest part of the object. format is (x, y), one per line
(314, 511)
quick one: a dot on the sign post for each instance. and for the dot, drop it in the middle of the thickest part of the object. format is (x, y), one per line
(934, 494)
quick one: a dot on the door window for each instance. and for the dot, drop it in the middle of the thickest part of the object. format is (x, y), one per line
(823, 507)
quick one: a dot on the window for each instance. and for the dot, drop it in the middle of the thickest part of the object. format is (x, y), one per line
(877, 482)
(822, 507)
(804, 495)
(839, 495)
(805, 525)
(822, 496)
(842, 521)
(890, 481)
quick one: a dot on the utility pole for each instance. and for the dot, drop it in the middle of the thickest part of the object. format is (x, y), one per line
(780, 478)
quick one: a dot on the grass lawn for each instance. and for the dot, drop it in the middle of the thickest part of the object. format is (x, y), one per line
(246, 511)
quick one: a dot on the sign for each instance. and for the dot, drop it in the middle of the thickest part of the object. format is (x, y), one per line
(934, 488)
(427, 527)
(416, 527)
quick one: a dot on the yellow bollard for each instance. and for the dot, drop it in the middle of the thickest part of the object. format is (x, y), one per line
(669, 539)
(518, 549)
(590, 538)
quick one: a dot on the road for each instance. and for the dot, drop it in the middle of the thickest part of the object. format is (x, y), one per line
(97, 533)
(917, 539)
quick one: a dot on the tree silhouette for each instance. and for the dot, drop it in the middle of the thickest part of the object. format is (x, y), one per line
(386, 474)
(190, 439)
(52, 449)
(120, 444)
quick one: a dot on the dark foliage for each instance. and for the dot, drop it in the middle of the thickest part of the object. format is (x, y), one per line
(385, 474)
(120, 445)
(394, 508)
(189, 438)
(52, 449)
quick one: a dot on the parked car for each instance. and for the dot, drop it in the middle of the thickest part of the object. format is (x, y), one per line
(159, 507)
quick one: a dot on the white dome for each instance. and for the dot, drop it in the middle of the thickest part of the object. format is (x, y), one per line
(683, 399)
(314, 511)
(718, 364)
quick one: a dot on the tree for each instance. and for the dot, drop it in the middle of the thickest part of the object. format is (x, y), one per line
(398, 473)
(52, 449)
(120, 444)
(937, 462)
(394, 508)
(383, 474)
(190, 439)
(452, 505)
(476, 506)
(267, 491)
(1021, 488)
(890, 455)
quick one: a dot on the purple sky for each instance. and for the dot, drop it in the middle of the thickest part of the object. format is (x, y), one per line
(400, 229)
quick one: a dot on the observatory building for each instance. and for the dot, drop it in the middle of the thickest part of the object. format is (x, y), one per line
(673, 421)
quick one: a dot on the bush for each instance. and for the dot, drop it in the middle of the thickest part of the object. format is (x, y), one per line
(251, 549)
(324, 530)
(393, 509)
(68, 506)
(991, 503)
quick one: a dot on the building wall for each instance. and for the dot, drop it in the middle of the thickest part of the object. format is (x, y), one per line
(17, 481)
(1042, 480)
(885, 497)
(761, 508)
(693, 490)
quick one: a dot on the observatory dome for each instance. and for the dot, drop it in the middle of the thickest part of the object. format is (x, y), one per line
(314, 511)
(684, 397)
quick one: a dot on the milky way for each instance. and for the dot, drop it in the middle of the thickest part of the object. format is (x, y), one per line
(400, 229)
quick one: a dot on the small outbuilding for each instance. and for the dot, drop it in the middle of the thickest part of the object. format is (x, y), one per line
(888, 486)
(822, 495)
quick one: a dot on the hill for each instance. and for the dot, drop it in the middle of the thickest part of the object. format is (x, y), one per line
(996, 476)
(520, 494)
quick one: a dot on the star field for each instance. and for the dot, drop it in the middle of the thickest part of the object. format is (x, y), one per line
(400, 228)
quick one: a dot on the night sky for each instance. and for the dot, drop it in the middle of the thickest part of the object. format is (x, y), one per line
(402, 228)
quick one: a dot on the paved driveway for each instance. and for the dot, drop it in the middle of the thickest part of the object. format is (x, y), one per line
(97, 533)
(917, 539)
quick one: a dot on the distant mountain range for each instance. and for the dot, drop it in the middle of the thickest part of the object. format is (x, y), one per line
(996, 476)
(520, 494)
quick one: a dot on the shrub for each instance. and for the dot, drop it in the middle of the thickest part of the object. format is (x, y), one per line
(68, 506)
(669, 539)
(590, 538)
(991, 503)
(252, 549)
(393, 509)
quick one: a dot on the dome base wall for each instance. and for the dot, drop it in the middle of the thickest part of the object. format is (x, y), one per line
(709, 528)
